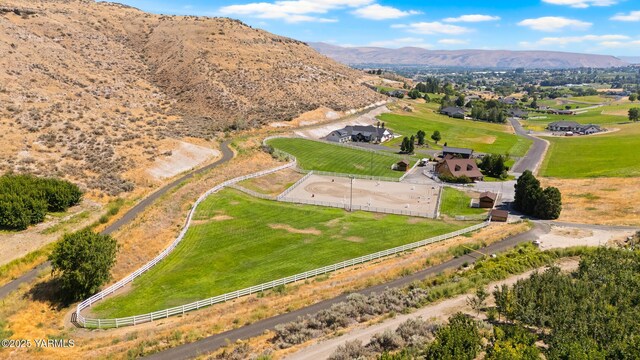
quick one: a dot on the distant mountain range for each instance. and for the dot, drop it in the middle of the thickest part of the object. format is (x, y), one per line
(465, 58)
(631, 59)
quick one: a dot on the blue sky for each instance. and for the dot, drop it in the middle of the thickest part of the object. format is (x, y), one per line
(592, 26)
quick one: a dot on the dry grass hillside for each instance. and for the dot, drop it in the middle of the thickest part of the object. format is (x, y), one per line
(95, 92)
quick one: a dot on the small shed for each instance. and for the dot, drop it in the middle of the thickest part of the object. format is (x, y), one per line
(487, 199)
(499, 215)
(402, 165)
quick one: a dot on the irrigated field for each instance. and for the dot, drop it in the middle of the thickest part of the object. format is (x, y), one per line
(314, 155)
(480, 136)
(238, 241)
(614, 154)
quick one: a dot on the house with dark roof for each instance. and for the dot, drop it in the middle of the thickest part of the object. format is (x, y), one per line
(455, 152)
(456, 167)
(517, 112)
(453, 111)
(509, 100)
(572, 126)
(360, 133)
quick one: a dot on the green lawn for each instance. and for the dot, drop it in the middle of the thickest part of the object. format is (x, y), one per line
(607, 155)
(314, 155)
(456, 202)
(480, 136)
(238, 241)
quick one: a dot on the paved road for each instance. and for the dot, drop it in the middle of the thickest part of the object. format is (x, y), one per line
(534, 156)
(227, 155)
(214, 342)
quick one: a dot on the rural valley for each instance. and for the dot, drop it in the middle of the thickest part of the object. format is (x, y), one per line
(198, 181)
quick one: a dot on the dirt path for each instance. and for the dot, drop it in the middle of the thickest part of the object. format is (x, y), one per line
(438, 311)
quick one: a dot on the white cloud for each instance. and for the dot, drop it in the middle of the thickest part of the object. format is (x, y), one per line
(554, 23)
(291, 10)
(432, 28)
(453, 42)
(581, 4)
(472, 18)
(632, 16)
(621, 44)
(379, 12)
(612, 40)
(396, 43)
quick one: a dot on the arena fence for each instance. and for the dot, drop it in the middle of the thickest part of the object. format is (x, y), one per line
(181, 310)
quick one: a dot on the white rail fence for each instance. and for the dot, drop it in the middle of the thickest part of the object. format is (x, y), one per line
(357, 207)
(290, 188)
(252, 193)
(118, 285)
(181, 310)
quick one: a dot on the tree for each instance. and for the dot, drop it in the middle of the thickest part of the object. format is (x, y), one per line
(634, 114)
(633, 97)
(531, 199)
(420, 135)
(404, 147)
(414, 94)
(460, 100)
(426, 98)
(412, 142)
(460, 339)
(549, 204)
(477, 302)
(527, 190)
(82, 262)
(436, 136)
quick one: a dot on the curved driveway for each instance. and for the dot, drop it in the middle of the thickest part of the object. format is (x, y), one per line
(533, 157)
(227, 155)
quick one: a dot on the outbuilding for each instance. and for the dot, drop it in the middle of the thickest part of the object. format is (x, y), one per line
(402, 165)
(487, 200)
(499, 215)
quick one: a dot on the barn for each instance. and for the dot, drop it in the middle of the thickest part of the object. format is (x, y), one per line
(487, 200)
(499, 215)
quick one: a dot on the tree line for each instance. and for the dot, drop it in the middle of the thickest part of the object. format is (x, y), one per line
(26, 199)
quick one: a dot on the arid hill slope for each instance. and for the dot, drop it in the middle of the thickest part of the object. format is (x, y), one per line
(97, 91)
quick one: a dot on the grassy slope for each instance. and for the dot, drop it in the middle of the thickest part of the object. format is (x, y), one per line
(222, 256)
(313, 155)
(608, 155)
(456, 202)
(481, 136)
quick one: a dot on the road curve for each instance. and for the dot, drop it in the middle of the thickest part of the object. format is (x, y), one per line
(533, 158)
(227, 154)
(214, 342)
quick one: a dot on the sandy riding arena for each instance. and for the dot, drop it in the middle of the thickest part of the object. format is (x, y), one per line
(368, 195)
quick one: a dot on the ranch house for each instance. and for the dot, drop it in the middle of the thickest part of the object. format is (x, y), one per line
(453, 111)
(360, 133)
(573, 126)
(455, 167)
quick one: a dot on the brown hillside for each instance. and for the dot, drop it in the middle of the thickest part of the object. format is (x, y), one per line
(91, 91)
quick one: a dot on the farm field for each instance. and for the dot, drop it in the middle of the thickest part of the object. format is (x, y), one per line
(314, 155)
(456, 202)
(238, 241)
(608, 155)
(480, 136)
